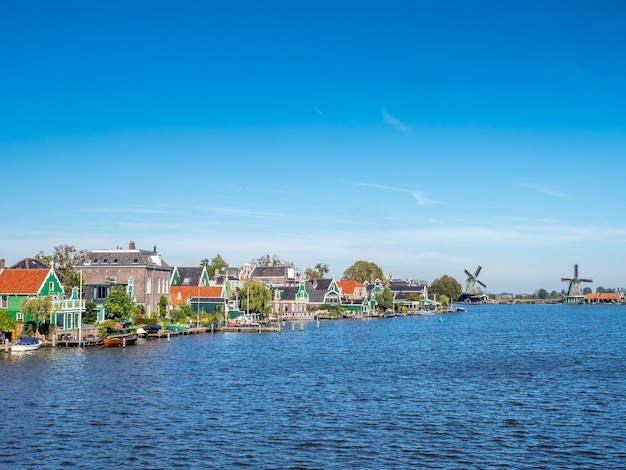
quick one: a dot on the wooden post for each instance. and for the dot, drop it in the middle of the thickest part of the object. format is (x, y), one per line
(124, 342)
(301, 326)
(6, 345)
(168, 336)
(293, 327)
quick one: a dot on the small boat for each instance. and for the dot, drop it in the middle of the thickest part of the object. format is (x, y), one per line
(121, 340)
(27, 343)
(152, 329)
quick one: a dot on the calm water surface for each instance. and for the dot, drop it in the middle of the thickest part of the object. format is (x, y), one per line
(495, 387)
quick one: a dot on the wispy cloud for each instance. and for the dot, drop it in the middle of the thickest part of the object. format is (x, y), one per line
(419, 197)
(395, 122)
(318, 111)
(549, 191)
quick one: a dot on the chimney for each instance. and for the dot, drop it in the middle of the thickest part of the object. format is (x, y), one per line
(131, 245)
(1, 264)
(155, 248)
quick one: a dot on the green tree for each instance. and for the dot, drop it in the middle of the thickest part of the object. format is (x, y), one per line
(542, 294)
(364, 271)
(183, 314)
(118, 305)
(163, 306)
(6, 321)
(217, 264)
(267, 260)
(446, 285)
(255, 297)
(384, 300)
(317, 272)
(90, 315)
(38, 308)
(63, 259)
(444, 300)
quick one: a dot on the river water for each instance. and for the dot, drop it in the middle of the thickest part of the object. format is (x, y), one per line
(537, 386)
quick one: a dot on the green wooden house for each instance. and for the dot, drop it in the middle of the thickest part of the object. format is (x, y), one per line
(18, 285)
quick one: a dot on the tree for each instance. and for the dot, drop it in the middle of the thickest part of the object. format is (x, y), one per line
(183, 313)
(6, 321)
(217, 264)
(364, 271)
(90, 315)
(317, 272)
(62, 260)
(446, 285)
(118, 305)
(542, 294)
(38, 308)
(267, 260)
(384, 300)
(163, 306)
(255, 297)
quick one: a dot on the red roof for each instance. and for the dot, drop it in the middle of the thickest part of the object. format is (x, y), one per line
(348, 286)
(180, 294)
(605, 296)
(22, 281)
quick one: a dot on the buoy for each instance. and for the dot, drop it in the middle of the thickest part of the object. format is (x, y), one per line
(440, 319)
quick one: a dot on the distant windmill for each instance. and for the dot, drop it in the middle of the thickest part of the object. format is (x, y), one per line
(470, 284)
(573, 289)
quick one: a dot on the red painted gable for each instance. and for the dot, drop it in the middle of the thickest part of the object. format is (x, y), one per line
(22, 281)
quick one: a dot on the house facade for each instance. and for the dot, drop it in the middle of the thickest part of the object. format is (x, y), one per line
(18, 285)
(144, 275)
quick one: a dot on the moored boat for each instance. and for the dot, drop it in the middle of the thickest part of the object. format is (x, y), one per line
(122, 339)
(27, 343)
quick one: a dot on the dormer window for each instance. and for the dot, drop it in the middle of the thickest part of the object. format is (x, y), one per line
(115, 260)
(105, 260)
(95, 260)
(135, 260)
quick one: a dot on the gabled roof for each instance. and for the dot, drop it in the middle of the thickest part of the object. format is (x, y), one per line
(189, 276)
(348, 286)
(22, 281)
(180, 294)
(30, 263)
(288, 293)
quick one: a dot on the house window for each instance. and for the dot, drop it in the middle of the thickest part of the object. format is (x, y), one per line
(115, 260)
(105, 260)
(100, 292)
(50, 287)
(95, 260)
(19, 316)
(4, 301)
(149, 285)
(135, 260)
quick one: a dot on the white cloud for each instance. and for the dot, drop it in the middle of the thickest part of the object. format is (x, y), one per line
(395, 122)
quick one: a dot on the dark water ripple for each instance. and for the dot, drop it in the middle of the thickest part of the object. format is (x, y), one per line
(496, 387)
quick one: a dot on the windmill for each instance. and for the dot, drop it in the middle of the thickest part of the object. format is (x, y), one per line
(470, 284)
(573, 291)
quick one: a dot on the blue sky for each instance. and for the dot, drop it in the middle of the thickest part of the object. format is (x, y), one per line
(426, 137)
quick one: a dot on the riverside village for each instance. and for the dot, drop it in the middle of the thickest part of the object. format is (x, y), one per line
(113, 297)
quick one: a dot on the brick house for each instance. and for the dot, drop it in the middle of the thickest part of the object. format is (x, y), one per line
(143, 273)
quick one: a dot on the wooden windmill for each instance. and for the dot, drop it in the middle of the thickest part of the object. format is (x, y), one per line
(471, 287)
(574, 292)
